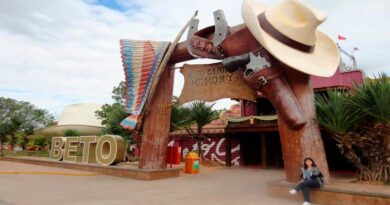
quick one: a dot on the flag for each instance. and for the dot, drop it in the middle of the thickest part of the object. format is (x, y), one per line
(342, 38)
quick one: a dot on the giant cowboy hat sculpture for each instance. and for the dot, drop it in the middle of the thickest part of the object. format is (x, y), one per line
(283, 35)
(288, 33)
(80, 117)
(288, 30)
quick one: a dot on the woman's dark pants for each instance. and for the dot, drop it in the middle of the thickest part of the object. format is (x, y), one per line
(305, 187)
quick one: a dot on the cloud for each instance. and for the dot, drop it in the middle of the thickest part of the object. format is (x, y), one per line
(61, 52)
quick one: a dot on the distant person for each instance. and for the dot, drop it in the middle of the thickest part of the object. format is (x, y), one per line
(311, 178)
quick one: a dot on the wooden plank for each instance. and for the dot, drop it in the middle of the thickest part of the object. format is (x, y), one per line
(156, 126)
(180, 54)
(228, 151)
(264, 162)
(211, 82)
(255, 128)
(306, 142)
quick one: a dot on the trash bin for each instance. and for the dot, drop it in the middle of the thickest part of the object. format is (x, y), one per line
(192, 163)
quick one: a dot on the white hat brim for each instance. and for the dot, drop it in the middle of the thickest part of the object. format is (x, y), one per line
(323, 61)
(81, 129)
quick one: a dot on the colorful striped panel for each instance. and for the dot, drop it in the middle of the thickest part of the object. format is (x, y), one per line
(141, 60)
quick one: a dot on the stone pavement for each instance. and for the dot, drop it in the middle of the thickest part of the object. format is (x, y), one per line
(222, 186)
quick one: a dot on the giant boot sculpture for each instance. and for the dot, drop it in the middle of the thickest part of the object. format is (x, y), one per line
(264, 73)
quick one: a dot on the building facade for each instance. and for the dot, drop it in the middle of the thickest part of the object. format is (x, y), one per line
(247, 134)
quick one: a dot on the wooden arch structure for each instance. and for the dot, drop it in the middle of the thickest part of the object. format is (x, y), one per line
(296, 143)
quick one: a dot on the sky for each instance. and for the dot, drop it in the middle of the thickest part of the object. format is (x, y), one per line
(54, 53)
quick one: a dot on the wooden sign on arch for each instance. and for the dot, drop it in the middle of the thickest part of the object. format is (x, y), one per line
(210, 82)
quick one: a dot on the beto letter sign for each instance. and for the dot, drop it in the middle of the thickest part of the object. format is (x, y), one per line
(106, 149)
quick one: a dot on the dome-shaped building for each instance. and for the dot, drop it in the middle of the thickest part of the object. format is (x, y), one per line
(80, 117)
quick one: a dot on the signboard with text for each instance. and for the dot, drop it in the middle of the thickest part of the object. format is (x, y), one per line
(106, 149)
(210, 82)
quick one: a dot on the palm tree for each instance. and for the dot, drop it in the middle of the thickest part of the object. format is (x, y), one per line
(372, 99)
(112, 116)
(180, 117)
(360, 122)
(201, 114)
(334, 113)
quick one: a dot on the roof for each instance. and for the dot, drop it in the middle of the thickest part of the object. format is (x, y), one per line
(233, 112)
(80, 117)
(240, 124)
(80, 114)
(252, 119)
(207, 130)
(253, 123)
(344, 79)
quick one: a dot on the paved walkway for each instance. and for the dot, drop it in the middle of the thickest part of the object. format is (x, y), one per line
(213, 186)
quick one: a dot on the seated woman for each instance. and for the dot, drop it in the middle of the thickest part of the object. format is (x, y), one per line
(311, 178)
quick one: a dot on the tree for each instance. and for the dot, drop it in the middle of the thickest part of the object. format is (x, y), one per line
(5, 119)
(372, 99)
(4, 130)
(39, 141)
(334, 113)
(201, 114)
(180, 117)
(359, 122)
(22, 140)
(112, 114)
(119, 93)
(20, 117)
(113, 119)
(196, 113)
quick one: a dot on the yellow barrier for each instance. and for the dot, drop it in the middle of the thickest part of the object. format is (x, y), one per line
(48, 173)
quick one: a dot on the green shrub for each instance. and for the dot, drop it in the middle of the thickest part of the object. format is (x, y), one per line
(71, 133)
(22, 140)
(133, 159)
(39, 141)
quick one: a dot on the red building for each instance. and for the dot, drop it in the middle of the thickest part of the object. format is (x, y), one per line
(250, 131)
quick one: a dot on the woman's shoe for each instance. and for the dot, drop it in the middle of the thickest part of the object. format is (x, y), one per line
(306, 203)
(293, 191)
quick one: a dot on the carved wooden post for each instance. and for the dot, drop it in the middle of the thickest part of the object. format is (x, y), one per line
(263, 142)
(157, 122)
(228, 150)
(306, 142)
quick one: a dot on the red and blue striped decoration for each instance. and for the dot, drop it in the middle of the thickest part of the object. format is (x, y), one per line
(141, 60)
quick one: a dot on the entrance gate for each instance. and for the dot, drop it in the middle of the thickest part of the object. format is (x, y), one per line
(297, 140)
